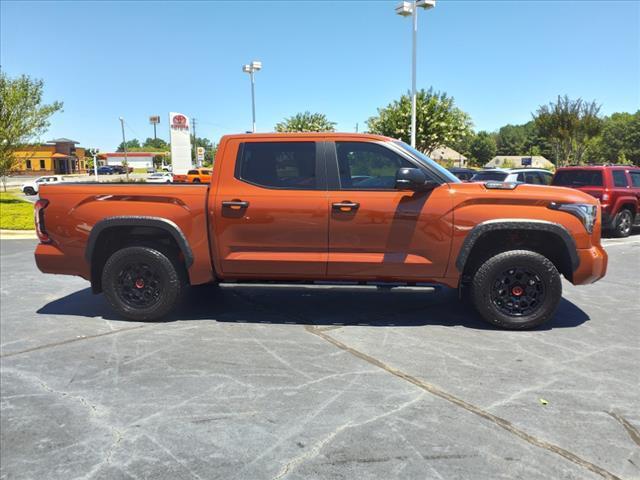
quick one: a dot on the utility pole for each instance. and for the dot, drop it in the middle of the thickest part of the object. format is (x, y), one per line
(356, 128)
(124, 148)
(195, 143)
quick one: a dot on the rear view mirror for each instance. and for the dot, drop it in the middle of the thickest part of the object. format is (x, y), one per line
(413, 179)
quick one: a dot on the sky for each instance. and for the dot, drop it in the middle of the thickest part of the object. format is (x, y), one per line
(500, 60)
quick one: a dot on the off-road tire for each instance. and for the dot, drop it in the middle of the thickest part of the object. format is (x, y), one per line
(167, 276)
(488, 280)
(623, 223)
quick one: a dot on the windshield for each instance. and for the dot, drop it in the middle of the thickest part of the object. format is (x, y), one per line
(421, 157)
(489, 176)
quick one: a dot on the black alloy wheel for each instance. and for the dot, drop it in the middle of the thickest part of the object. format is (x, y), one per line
(518, 291)
(139, 285)
(143, 283)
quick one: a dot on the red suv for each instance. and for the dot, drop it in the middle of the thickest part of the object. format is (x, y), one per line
(617, 188)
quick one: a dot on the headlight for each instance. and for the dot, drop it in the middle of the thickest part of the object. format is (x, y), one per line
(586, 212)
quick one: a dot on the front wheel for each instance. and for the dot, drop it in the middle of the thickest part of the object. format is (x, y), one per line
(29, 191)
(517, 290)
(142, 283)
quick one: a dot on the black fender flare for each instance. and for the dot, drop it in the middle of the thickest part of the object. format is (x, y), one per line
(139, 221)
(517, 224)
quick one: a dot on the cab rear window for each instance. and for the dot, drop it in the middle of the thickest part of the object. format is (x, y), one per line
(578, 178)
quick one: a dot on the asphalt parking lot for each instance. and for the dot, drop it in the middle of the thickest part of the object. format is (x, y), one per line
(270, 383)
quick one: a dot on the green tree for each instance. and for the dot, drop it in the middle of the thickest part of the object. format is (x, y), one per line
(438, 121)
(132, 145)
(23, 117)
(483, 148)
(306, 122)
(568, 125)
(620, 138)
(157, 144)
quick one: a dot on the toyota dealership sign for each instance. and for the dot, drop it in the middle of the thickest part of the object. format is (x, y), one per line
(180, 143)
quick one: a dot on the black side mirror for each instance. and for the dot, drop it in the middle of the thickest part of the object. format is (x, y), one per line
(413, 179)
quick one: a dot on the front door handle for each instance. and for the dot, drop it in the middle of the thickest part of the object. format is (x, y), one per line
(345, 206)
(235, 204)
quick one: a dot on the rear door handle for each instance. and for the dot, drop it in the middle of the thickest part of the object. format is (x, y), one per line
(235, 204)
(345, 206)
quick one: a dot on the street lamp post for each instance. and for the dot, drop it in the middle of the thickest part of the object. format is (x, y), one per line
(405, 9)
(124, 148)
(251, 68)
(94, 153)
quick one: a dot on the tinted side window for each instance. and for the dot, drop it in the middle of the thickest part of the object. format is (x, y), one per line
(635, 179)
(192, 172)
(288, 165)
(578, 178)
(619, 178)
(368, 166)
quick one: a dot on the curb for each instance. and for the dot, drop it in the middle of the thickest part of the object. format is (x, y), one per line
(18, 235)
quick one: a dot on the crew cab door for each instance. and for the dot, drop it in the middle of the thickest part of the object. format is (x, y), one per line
(270, 210)
(377, 232)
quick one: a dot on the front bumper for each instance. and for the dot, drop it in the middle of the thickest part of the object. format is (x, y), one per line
(592, 267)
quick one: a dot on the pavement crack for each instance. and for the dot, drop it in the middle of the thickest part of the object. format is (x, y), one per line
(471, 408)
(72, 340)
(630, 429)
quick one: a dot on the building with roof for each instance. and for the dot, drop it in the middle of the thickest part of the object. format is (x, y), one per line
(57, 156)
(518, 161)
(446, 154)
(135, 160)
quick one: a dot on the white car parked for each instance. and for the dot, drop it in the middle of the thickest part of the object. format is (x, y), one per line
(32, 187)
(536, 176)
(160, 177)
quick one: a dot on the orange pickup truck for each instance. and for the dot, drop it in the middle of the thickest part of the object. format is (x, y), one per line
(324, 208)
(197, 175)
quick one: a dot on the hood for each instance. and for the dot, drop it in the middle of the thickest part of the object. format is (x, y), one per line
(524, 191)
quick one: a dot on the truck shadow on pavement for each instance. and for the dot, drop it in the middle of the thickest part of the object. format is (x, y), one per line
(324, 306)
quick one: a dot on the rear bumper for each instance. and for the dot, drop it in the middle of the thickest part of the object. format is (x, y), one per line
(50, 259)
(592, 267)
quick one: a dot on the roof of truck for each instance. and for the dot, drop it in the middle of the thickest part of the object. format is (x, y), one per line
(369, 136)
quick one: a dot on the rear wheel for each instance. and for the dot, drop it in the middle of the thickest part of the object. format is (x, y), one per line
(622, 223)
(142, 283)
(196, 180)
(518, 289)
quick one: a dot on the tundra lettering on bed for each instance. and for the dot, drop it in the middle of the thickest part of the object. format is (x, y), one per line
(324, 207)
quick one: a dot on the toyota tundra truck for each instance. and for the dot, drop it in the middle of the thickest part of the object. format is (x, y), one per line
(324, 208)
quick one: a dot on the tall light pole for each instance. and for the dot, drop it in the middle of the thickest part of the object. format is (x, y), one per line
(94, 153)
(124, 149)
(252, 68)
(405, 9)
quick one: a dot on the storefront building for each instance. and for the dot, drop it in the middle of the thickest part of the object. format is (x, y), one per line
(59, 156)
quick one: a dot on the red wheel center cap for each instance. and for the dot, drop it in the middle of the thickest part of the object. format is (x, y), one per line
(517, 290)
(139, 283)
